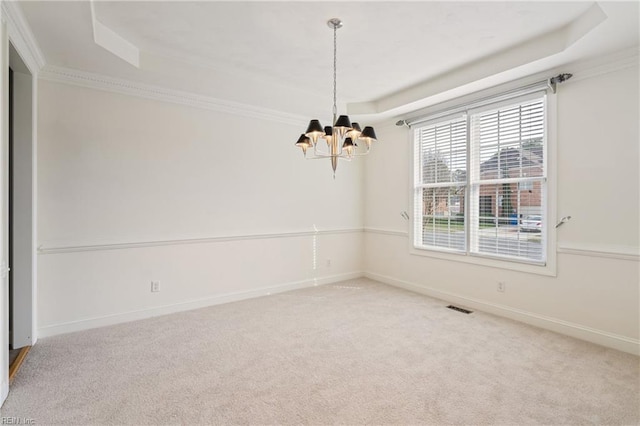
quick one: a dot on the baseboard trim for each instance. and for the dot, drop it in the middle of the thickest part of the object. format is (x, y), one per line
(578, 331)
(102, 321)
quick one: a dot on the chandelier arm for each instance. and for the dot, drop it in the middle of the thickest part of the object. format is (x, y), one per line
(318, 157)
(360, 154)
(317, 151)
(339, 157)
(323, 156)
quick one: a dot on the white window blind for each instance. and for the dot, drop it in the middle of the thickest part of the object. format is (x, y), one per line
(441, 174)
(480, 182)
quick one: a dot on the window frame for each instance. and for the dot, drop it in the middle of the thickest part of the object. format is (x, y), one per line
(549, 203)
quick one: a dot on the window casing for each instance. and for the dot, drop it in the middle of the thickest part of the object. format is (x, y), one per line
(480, 181)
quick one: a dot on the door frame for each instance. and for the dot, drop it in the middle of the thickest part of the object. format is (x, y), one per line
(14, 30)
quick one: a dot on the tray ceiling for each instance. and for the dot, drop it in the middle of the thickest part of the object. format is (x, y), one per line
(390, 54)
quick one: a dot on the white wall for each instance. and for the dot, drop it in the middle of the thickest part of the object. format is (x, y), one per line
(213, 205)
(595, 294)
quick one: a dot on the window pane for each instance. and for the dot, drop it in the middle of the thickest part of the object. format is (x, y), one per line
(532, 158)
(510, 220)
(442, 215)
(529, 198)
(510, 142)
(443, 152)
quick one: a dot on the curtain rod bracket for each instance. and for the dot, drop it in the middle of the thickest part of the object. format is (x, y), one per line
(560, 78)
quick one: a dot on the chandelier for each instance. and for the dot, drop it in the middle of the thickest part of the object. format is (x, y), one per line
(342, 138)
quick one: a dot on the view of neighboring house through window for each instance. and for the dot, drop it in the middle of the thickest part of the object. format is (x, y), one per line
(480, 182)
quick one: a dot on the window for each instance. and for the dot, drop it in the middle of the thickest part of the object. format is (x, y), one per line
(480, 181)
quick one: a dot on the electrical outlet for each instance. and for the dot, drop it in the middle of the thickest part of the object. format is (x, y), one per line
(155, 286)
(502, 286)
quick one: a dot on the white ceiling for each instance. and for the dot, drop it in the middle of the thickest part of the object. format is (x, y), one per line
(279, 54)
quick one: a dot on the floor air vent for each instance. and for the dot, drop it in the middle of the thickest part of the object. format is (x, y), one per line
(456, 308)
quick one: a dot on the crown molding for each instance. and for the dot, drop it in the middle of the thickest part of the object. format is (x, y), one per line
(582, 69)
(127, 87)
(22, 37)
(601, 65)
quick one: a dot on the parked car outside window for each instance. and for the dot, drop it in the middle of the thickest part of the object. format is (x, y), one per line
(531, 223)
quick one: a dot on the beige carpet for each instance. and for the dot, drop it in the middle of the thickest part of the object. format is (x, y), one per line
(352, 353)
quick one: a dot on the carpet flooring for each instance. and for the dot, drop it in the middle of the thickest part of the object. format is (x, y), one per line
(356, 352)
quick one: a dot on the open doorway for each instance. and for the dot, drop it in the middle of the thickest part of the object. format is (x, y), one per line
(21, 189)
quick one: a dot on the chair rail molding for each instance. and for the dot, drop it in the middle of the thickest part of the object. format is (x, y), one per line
(386, 232)
(52, 248)
(604, 251)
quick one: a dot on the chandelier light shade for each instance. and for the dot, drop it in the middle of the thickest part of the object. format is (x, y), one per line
(343, 136)
(355, 131)
(303, 142)
(314, 131)
(368, 135)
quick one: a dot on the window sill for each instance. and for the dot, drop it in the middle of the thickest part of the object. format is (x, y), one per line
(547, 269)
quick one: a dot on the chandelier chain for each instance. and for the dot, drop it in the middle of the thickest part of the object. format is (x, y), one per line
(335, 65)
